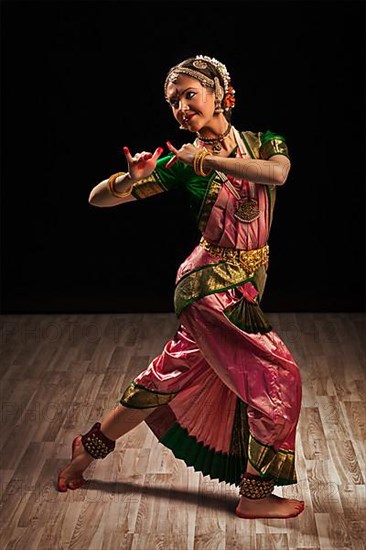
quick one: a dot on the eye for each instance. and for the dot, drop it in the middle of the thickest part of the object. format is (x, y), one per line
(190, 95)
(173, 103)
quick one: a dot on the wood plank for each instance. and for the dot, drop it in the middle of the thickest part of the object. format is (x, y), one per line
(61, 373)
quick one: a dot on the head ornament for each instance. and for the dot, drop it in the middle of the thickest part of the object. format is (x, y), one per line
(194, 67)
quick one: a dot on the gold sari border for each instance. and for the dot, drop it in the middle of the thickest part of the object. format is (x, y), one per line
(278, 464)
(206, 280)
(147, 187)
(273, 147)
(137, 396)
(209, 200)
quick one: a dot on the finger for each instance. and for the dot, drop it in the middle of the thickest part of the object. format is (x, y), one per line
(145, 157)
(157, 153)
(170, 162)
(127, 154)
(171, 148)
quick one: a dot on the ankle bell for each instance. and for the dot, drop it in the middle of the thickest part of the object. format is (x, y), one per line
(96, 443)
(254, 487)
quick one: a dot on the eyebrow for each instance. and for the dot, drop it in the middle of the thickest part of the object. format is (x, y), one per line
(189, 88)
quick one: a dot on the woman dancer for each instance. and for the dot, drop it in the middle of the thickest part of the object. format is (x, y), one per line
(225, 393)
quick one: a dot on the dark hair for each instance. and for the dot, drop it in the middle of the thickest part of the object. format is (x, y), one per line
(209, 70)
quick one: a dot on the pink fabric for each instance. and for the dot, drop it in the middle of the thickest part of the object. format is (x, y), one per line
(211, 361)
(225, 230)
(209, 350)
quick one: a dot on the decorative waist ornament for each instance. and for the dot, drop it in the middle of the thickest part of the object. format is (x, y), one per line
(250, 260)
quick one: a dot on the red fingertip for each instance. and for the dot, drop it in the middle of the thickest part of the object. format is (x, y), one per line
(126, 150)
(168, 144)
(160, 150)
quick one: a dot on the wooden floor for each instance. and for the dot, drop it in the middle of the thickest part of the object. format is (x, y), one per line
(61, 373)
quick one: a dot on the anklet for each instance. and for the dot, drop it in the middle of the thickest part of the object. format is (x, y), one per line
(96, 443)
(252, 486)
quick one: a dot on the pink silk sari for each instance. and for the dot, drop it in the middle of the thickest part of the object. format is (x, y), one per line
(224, 395)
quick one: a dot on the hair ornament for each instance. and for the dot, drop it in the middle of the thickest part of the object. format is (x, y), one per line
(229, 92)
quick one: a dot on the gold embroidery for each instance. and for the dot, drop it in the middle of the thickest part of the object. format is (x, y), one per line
(273, 147)
(147, 187)
(208, 202)
(250, 260)
(138, 397)
(252, 141)
(209, 279)
(279, 464)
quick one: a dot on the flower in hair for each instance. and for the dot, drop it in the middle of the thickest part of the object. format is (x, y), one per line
(229, 99)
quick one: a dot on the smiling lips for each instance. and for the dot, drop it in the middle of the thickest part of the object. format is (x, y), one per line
(187, 118)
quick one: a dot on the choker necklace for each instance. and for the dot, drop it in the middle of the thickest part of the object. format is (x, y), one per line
(215, 142)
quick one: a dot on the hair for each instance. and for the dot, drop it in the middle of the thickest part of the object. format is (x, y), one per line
(211, 69)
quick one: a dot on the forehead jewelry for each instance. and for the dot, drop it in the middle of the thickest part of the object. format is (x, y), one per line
(201, 62)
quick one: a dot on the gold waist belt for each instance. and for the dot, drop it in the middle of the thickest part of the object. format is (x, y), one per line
(250, 260)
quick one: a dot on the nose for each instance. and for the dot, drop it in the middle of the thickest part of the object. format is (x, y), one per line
(182, 106)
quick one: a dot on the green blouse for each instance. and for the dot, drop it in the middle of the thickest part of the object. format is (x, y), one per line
(260, 145)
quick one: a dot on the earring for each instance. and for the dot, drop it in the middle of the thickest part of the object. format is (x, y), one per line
(182, 128)
(218, 108)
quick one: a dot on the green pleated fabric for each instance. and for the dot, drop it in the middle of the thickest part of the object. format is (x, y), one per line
(248, 317)
(218, 465)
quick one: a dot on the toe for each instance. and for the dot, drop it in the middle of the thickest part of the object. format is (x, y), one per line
(61, 485)
(76, 483)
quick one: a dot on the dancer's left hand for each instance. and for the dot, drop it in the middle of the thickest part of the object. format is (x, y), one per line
(186, 154)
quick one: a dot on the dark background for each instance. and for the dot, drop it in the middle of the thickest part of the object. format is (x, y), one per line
(82, 79)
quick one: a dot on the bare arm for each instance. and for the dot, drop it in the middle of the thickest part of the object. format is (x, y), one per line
(139, 166)
(273, 171)
(101, 196)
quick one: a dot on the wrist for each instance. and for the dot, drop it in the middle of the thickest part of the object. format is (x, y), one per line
(199, 163)
(123, 181)
(208, 162)
(125, 186)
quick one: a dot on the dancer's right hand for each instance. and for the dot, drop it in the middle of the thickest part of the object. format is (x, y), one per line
(142, 164)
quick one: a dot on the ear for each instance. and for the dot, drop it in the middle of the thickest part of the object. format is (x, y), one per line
(218, 108)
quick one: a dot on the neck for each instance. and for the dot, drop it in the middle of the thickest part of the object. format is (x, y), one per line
(219, 144)
(218, 141)
(215, 128)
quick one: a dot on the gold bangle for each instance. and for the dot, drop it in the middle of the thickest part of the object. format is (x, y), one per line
(195, 161)
(201, 160)
(111, 183)
(198, 163)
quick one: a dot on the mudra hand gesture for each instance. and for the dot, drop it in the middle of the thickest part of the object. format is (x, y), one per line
(186, 154)
(141, 164)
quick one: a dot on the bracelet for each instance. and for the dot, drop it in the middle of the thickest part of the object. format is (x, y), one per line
(111, 183)
(198, 163)
(201, 161)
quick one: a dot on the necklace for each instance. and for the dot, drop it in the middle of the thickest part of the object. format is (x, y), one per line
(247, 209)
(215, 142)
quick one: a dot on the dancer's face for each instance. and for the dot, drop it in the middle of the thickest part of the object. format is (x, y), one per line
(192, 104)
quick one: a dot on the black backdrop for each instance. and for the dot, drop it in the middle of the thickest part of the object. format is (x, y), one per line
(82, 79)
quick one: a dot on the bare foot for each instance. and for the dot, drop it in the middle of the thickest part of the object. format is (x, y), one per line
(272, 506)
(71, 476)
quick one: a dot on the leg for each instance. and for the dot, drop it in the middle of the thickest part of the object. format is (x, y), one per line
(261, 371)
(168, 372)
(115, 424)
(270, 506)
